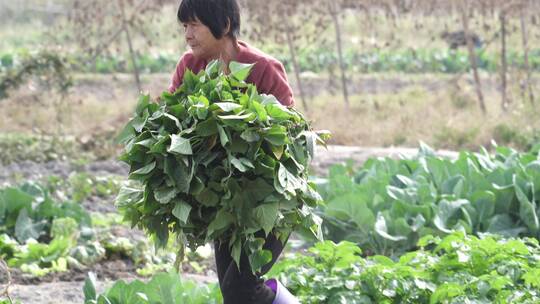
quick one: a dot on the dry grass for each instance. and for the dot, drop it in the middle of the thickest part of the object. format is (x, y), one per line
(448, 118)
(96, 104)
(444, 118)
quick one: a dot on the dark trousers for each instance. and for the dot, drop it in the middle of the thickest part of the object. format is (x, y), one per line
(243, 287)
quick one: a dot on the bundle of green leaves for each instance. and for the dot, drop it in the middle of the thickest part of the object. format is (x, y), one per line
(216, 160)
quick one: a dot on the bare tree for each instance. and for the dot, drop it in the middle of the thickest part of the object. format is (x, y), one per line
(472, 55)
(335, 9)
(294, 23)
(504, 63)
(523, 14)
(98, 25)
(125, 27)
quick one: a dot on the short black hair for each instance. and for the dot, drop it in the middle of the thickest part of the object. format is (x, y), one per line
(215, 14)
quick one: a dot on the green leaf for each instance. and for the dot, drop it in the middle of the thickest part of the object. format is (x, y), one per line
(190, 81)
(527, 209)
(25, 228)
(213, 68)
(240, 71)
(165, 195)
(222, 221)
(236, 252)
(179, 172)
(207, 197)
(207, 128)
(260, 258)
(127, 133)
(174, 120)
(453, 185)
(287, 180)
(352, 206)
(250, 136)
(235, 117)
(228, 106)
(532, 278)
(258, 190)
(180, 145)
(484, 203)
(145, 169)
(277, 135)
(278, 112)
(196, 186)
(143, 103)
(178, 110)
(445, 212)
(103, 300)
(266, 215)
(89, 288)
(124, 293)
(446, 292)
(181, 211)
(242, 164)
(238, 145)
(138, 123)
(311, 141)
(223, 137)
(277, 151)
(504, 225)
(382, 230)
(161, 145)
(148, 143)
(13, 200)
(260, 110)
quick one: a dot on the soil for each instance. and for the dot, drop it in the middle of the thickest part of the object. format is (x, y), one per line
(324, 158)
(29, 170)
(66, 287)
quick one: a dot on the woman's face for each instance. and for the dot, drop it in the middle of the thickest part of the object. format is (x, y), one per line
(201, 41)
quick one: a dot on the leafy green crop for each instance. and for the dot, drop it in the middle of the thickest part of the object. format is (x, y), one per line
(29, 212)
(162, 288)
(81, 186)
(40, 234)
(36, 232)
(10, 301)
(18, 147)
(218, 161)
(456, 269)
(388, 204)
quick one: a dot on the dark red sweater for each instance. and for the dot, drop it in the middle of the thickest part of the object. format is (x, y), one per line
(267, 74)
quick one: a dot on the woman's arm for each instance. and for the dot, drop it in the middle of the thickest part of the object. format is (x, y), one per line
(273, 80)
(178, 75)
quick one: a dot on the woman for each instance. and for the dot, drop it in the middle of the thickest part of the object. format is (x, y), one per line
(211, 29)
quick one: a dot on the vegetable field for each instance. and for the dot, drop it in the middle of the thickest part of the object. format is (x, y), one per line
(408, 170)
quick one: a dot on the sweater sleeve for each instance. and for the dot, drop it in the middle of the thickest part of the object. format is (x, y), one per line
(274, 81)
(178, 75)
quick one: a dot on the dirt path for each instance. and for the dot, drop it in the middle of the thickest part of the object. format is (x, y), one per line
(323, 159)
